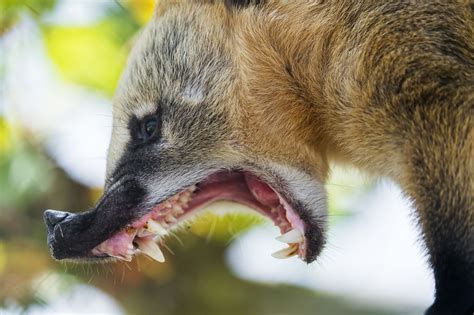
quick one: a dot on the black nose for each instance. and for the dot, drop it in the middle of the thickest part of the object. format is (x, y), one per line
(53, 217)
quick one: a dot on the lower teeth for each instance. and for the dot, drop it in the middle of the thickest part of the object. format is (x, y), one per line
(151, 249)
(286, 252)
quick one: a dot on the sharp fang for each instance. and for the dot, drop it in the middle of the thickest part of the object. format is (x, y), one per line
(286, 252)
(155, 227)
(291, 237)
(151, 249)
(167, 204)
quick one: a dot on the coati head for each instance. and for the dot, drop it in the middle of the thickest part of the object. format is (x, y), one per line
(188, 130)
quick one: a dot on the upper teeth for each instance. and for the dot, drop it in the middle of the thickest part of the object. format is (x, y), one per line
(155, 227)
(291, 237)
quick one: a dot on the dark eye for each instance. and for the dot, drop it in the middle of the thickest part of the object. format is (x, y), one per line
(148, 128)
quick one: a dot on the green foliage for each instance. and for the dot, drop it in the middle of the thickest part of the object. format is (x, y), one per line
(24, 174)
(223, 227)
(11, 9)
(92, 55)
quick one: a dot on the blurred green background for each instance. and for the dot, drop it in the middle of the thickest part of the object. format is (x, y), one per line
(60, 61)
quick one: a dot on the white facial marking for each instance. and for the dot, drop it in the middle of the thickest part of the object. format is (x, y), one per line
(193, 93)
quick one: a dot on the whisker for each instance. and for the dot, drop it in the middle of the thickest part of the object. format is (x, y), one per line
(211, 230)
(168, 249)
(177, 238)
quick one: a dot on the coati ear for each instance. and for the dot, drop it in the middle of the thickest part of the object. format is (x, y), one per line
(233, 4)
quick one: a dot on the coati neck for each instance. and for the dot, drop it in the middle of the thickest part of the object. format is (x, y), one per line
(309, 71)
(285, 58)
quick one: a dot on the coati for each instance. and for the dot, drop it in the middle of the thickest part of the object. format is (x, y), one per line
(249, 101)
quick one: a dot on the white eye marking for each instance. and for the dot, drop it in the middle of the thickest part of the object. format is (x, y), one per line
(144, 109)
(193, 93)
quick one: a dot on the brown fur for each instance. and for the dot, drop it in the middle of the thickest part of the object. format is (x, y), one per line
(386, 86)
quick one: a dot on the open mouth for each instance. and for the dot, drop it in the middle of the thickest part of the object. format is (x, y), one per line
(147, 234)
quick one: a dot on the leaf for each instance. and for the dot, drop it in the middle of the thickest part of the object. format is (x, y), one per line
(142, 10)
(93, 56)
(11, 9)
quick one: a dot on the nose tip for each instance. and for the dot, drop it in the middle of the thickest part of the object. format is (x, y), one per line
(53, 217)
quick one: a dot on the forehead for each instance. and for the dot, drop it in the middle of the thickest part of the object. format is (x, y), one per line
(178, 56)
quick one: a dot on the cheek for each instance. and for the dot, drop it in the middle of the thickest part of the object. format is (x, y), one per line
(304, 186)
(116, 148)
(168, 136)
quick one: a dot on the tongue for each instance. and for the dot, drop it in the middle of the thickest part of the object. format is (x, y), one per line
(261, 191)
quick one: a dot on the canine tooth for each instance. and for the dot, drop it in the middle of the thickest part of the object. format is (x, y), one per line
(171, 218)
(151, 249)
(167, 204)
(142, 232)
(291, 237)
(192, 188)
(155, 227)
(286, 252)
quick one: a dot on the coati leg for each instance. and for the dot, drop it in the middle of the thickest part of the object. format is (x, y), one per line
(439, 178)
